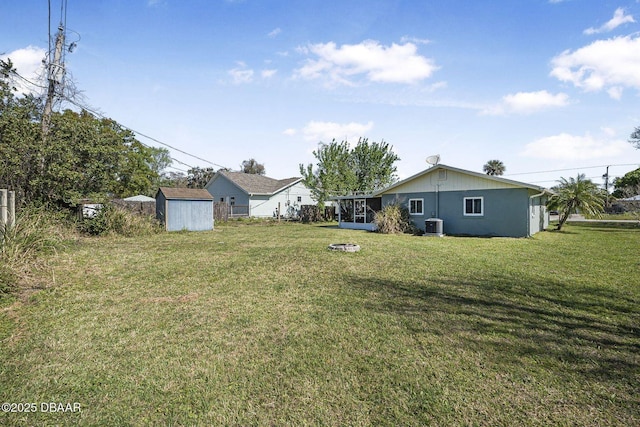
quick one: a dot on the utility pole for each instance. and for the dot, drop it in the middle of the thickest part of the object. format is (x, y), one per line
(56, 75)
(606, 186)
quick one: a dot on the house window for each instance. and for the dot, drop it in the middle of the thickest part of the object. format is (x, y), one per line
(473, 206)
(221, 199)
(416, 206)
(232, 201)
(299, 199)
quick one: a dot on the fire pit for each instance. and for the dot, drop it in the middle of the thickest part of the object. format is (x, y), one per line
(344, 247)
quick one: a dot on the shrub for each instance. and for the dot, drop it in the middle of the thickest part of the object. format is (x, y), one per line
(112, 219)
(393, 219)
(310, 213)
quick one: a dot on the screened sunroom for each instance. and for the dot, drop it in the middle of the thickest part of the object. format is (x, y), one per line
(357, 212)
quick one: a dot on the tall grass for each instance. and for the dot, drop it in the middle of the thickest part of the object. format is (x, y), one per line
(394, 219)
(36, 232)
(114, 220)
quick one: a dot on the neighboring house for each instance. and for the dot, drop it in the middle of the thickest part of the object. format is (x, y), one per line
(259, 196)
(184, 209)
(468, 203)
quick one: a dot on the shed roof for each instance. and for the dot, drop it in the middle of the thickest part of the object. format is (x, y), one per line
(258, 184)
(139, 198)
(185, 193)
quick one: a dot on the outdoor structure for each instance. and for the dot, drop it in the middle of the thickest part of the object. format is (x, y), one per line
(259, 196)
(467, 203)
(184, 209)
(140, 204)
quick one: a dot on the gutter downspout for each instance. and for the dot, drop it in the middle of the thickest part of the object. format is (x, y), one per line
(437, 200)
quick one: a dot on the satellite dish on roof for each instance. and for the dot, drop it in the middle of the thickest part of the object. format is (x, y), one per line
(433, 160)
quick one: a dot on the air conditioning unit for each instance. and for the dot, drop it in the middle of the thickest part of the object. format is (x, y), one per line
(433, 227)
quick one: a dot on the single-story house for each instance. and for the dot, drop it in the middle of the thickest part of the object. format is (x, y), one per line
(184, 209)
(259, 196)
(463, 202)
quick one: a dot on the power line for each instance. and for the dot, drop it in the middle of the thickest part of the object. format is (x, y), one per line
(570, 169)
(96, 113)
(145, 136)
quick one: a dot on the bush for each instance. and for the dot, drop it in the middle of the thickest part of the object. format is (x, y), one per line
(112, 219)
(394, 219)
(310, 213)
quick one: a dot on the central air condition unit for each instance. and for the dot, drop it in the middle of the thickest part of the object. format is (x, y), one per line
(433, 227)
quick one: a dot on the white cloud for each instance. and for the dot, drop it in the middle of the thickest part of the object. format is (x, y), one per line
(527, 103)
(573, 147)
(326, 131)
(28, 63)
(377, 63)
(618, 19)
(611, 63)
(241, 74)
(266, 74)
(615, 92)
(290, 132)
(274, 33)
(416, 40)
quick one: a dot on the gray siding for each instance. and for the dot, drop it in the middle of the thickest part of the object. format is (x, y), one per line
(506, 211)
(224, 189)
(191, 215)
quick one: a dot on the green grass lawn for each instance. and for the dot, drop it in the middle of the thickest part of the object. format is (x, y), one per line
(262, 325)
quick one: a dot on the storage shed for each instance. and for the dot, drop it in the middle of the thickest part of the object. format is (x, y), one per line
(184, 209)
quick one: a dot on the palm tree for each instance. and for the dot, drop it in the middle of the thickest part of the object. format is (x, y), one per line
(574, 195)
(494, 167)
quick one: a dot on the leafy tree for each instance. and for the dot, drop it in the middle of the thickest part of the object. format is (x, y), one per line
(173, 179)
(341, 170)
(199, 177)
(630, 181)
(576, 195)
(253, 167)
(19, 136)
(494, 168)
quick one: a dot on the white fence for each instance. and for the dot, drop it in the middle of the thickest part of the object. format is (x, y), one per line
(7, 209)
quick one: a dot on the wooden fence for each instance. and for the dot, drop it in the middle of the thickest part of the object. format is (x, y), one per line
(223, 211)
(7, 208)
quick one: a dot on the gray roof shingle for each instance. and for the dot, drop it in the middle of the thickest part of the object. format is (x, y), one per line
(258, 184)
(186, 193)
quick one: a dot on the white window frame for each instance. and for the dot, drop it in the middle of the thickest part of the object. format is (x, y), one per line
(464, 206)
(421, 205)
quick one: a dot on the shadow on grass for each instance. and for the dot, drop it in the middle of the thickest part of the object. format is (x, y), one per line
(591, 333)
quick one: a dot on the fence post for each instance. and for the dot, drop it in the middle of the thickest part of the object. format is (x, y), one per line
(3, 207)
(11, 205)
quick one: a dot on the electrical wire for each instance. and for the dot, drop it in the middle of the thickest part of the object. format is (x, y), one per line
(570, 169)
(102, 116)
(144, 135)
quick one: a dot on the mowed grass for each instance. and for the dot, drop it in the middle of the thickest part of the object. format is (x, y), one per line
(262, 325)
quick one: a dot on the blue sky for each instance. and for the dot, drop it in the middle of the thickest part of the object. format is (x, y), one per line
(543, 85)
